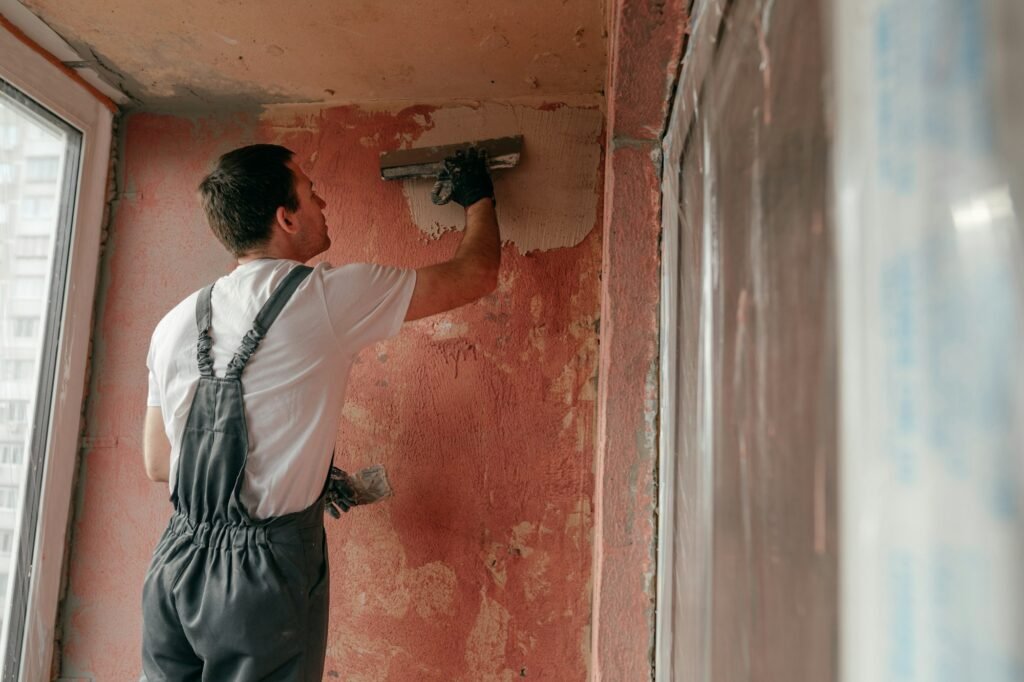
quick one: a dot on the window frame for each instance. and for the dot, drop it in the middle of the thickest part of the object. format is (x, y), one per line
(29, 70)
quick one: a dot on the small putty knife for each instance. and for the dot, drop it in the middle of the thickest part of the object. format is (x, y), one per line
(426, 162)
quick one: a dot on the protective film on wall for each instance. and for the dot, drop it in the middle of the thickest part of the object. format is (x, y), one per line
(929, 113)
(748, 537)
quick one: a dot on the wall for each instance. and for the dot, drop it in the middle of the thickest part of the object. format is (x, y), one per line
(479, 568)
(646, 44)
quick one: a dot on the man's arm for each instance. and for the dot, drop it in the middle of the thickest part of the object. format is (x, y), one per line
(472, 272)
(156, 449)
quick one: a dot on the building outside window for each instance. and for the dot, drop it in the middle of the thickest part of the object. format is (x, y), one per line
(29, 287)
(16, 369)
(36, 207)
(42, 168)
(14, 412)
(32, 246)
(26, 327)
(9, 135)
(10, 452)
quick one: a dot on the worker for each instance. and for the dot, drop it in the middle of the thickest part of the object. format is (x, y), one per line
(246, 383)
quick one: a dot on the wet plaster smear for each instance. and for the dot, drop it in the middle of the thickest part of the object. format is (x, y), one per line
(480, 567)
(544, 203)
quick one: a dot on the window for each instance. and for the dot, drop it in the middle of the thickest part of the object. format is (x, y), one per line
(13, 370)
(36, 207)
(26, 327)
(8, 497)
(6, 173)
(29, 287)
(10, 452)
(13, 411)
(9, 135)
(6, 540)
(51, 415)
(40, 168)
(34, 246)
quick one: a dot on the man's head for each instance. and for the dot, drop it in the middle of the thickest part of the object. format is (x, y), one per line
(257, 199)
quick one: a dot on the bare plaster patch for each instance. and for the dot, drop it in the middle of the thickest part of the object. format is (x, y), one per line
(485, 648)
(433, 588)
(547, 202)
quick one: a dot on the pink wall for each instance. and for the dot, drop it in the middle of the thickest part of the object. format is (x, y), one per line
(645, 47)
(480, 567)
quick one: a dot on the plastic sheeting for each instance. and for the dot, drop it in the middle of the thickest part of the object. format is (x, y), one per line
(843, 294)
(930, 115)
(749, 549)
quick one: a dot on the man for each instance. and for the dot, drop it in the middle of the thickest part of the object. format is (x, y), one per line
(238, 585)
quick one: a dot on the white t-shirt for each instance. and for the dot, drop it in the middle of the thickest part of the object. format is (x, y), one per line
(294, 384)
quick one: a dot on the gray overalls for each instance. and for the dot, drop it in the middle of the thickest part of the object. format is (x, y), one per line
(229, 598)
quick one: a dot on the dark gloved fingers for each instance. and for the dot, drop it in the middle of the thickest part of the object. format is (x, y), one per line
(467, 174)
(340, 495)
(442, 192)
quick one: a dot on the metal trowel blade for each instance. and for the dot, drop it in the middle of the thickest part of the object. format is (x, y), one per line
(426, 162)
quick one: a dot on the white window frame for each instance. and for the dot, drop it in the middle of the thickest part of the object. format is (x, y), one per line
(51, 87)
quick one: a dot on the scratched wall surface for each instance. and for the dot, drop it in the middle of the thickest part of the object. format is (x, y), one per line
(754, 590)
(479, 568)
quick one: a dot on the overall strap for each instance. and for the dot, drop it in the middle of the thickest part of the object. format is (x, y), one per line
(268, 313)
(204, 316)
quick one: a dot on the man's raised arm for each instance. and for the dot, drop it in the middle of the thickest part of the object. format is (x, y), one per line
(472, 272)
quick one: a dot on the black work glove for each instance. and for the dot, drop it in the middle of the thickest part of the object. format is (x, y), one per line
(463, 178)
(340, 495)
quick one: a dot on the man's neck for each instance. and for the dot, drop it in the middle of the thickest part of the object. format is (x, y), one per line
(267, 253)
(250, 257)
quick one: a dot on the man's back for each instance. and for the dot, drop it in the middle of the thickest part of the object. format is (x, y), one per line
(294, 385)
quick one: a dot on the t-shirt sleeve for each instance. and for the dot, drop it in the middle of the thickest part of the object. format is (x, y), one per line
(367, 303)
(153, 395)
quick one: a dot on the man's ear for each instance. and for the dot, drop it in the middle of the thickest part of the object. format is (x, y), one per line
(283, 217)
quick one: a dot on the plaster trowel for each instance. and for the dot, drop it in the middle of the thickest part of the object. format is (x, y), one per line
(427, 162)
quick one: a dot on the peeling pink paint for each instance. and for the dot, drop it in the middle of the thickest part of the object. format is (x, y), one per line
(479, 568)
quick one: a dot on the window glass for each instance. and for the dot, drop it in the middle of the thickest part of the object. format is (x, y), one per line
(38, 172)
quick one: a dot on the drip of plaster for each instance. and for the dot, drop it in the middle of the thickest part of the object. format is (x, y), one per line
(549, 200)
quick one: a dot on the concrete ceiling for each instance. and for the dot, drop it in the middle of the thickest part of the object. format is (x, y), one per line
(204, 54)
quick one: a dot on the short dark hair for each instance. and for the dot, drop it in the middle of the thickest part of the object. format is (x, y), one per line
(242, 194)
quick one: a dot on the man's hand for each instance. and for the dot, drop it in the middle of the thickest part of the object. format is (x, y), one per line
(464, 179)
(340, 495)
(345, 491)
